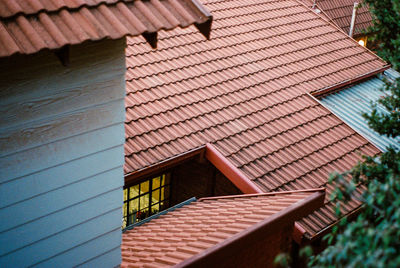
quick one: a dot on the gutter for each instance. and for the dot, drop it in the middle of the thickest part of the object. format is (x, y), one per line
(235, 175)
(241, 181)
(165, 164)
(326, 90)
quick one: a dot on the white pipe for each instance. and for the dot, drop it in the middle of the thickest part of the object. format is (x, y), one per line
(353, 19)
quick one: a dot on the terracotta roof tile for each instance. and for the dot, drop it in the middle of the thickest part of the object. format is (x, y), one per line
(30, 26)
(201, 225)
(341, 11)
(247, 92)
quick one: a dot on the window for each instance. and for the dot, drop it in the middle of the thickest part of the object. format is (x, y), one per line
(145, 199)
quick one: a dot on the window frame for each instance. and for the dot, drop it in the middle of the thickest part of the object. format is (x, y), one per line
(165, 182)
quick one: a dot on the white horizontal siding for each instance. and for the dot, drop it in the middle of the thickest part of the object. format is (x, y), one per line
(61, 157)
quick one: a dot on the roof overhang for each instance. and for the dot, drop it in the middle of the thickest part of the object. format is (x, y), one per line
(27, 31)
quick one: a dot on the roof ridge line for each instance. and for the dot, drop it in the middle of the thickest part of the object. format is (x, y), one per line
(320, 189)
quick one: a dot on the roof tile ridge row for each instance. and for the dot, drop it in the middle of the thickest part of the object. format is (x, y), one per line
(251, 5)
(269, 122)
(262, 139)
(223, 58)
(81, 4)
(337, 27)
(325, 18)
(241, 76)
(219, 28)
(318, 150)
(230, 35)
(222, 108)
(234, 55)
(213, 126)
(315, 168)
(238, 103)
(320, 189)
(296, 142)
(260, 83)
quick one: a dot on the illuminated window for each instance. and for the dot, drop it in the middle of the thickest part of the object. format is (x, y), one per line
(145, 199)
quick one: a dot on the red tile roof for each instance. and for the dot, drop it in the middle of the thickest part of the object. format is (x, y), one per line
(185, 232)
(341, 11)
(246, 91)
(29, 26)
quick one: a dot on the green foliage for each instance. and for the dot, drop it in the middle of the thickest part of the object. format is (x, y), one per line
(373, 239)
(386, 29)
(387, 123)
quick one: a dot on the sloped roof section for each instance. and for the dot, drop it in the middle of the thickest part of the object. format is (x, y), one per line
(27, 27)
(246, 91)
(341, 11)
(183, 233)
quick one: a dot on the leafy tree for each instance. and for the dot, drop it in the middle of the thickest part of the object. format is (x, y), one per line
(373, 239)
(386, 29)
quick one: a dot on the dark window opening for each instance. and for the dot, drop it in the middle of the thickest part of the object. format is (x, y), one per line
(145, 199)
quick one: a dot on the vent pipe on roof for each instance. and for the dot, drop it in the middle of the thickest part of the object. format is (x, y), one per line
(314, 4)
(353, 19)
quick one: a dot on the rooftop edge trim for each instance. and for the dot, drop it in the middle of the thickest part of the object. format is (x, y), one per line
(245, 238)
(155, 216)
(326, 90)
(235, 175)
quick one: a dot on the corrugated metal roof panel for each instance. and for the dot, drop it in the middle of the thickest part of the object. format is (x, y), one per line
(350, 103)
(73, 22)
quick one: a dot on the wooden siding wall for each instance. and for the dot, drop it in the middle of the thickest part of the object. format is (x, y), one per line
(61, 157)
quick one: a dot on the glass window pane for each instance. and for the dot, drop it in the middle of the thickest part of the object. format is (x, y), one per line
(133, 206)
(124, 222)
(144, 187)
(132, 219)
(156, 183)
(144, 201)
(124, 209)
(125, 194)
(162, 197)
(134, 191)
(155, 209)
(155, 196)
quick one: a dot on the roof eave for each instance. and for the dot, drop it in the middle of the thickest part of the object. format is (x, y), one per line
(223, 250)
